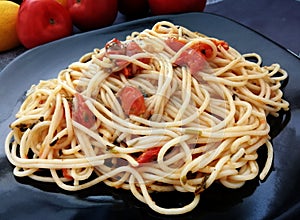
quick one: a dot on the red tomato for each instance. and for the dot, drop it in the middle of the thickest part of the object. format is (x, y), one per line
(42, 21)
(159, 7)
(93, 14)
(131, 48)
(66, 173)
(193, 57)
(81, 112)
(132, 101)
(205, 49)
(116, 47)
(149, 155)
(221, 43)
(174, 43)
(133, 8)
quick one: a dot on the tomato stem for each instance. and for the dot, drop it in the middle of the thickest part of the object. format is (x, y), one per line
(52, 21)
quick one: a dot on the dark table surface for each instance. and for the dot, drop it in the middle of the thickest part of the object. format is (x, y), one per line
(278, 20)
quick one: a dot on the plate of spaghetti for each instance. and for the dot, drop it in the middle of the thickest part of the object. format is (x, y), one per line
(186, 116)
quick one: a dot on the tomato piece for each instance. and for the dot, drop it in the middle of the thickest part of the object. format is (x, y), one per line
(81, 112)
(174, 43)
(127, 72)
(116, 47)
(149, 155)
(133, 48)
(66, 173)
(204, 49)
(132, 101)
(221, 43)
(191, 57)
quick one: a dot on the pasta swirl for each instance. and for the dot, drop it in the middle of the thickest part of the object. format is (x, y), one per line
(198, 116)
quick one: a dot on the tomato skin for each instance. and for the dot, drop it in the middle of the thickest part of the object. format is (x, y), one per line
(159, 7)
(174, 43)
(193, 57)
(116, 47)
(204, 49)
(66, 174)
(131, 48)
(221, 43)
(149, 155)
(132, 101)
(92, 14)
(81, 112)
(42, 21)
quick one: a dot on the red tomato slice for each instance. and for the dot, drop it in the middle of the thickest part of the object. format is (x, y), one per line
(66, 173)
(133, 48)
(132, 101)
(221, 43)
(204, 49)
(81, 112)
(116, 47)
(191, 57)
(174, 43)
(149, 155)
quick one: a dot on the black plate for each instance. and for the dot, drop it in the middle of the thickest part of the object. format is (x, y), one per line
(277, 196)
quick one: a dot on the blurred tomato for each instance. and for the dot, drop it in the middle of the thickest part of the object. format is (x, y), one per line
(42, 21)
(133, 8)
(159, 7)
(63, 2)
(93, 14)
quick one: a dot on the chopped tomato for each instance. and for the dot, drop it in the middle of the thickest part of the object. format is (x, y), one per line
(127, 72)
(66, 173)
(116, 47)
(132, 101)
(174, 43)
(149, 155)
(221, 43)
(131, 48)
(81, 112)
(192, 57)
(204, 49)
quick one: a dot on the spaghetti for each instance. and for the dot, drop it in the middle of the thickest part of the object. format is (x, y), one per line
(166, 109)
